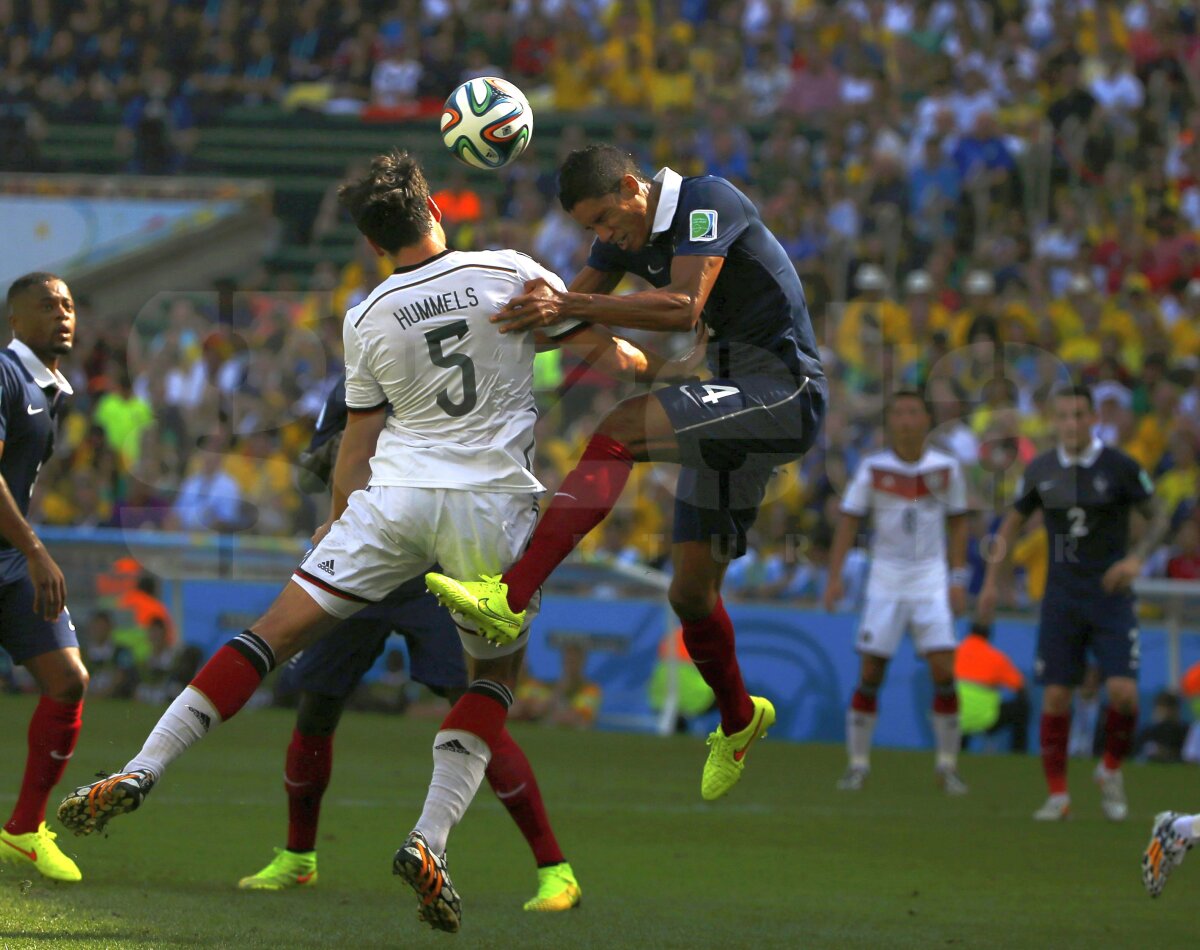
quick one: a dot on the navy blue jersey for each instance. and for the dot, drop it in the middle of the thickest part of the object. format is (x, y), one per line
(31, 399)
(756, 314)
(1086, 506)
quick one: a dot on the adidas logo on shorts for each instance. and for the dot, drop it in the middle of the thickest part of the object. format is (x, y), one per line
(453, 746)
(327, 567)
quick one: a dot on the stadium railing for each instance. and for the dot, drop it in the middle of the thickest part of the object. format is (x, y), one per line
(1174, 596)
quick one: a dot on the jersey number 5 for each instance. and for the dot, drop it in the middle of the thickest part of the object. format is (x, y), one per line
(435, 338)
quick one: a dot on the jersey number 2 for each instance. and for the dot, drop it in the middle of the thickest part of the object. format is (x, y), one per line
(435, 338)
(1078, 518)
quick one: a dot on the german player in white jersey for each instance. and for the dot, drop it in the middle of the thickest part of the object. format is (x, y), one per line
(443, 476)
(916, 497)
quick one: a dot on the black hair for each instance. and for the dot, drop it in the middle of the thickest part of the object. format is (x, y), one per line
(390, 203)
(25, 281)
(594, 172)
(1075, 391)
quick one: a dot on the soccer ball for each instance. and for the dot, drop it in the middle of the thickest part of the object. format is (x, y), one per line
(487, 122)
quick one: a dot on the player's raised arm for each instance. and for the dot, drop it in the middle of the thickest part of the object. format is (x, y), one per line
(589, 280)
(624, 359)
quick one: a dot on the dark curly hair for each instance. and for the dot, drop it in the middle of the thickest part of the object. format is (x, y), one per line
(390, 203)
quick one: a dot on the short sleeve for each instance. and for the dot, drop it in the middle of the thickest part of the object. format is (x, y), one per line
(363, 392)
(710, 218)
(529, 269)
(605, 257)
(956, 499)
(857, 500)
(1028, 500)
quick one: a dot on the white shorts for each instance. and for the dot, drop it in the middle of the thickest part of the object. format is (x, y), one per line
(390, 534)
(885, 619)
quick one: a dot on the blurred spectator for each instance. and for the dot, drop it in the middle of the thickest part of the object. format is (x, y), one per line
(572, 701)
(1162, 741)
(209, 498)
(158, 131)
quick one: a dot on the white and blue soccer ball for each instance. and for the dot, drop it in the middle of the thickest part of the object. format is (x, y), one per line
(487, 122)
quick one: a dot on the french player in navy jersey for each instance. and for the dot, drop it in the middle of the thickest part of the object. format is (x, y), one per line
(326, 675)
(35, 627)
(1086, 492)
(715, 268)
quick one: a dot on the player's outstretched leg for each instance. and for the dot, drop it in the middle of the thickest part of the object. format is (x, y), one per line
(1171, 837)
(53, 731)
(496, 605)
(512, 779)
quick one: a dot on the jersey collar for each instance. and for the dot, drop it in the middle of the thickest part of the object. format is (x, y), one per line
(1085, 459)
(668, 199)
(41, 373)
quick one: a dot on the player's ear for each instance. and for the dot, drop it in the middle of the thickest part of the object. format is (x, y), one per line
(630, 186)
(434, 209)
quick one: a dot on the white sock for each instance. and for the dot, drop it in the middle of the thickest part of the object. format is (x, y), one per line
(459, 761)
(860, 727)
(186, 721)
(1186, 827)
(947, 739)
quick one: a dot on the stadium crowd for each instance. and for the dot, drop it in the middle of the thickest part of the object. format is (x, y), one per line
(983, 200)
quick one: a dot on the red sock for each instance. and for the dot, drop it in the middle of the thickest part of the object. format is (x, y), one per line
(709, 643)
(480, 711)
(52, 734)
(1118, 737)
(512, 779)
(863, 703)
(586, 496)
(305, 778)
(1056, 730)
(229, 679)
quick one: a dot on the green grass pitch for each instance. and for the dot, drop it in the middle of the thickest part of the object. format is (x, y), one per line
(784, 861)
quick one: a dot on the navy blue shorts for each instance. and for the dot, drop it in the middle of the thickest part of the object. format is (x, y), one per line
(732, 434)
(334, 665)
(24, 634)
(1076, 622)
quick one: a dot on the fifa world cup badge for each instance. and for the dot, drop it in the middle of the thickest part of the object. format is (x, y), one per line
(703, 226)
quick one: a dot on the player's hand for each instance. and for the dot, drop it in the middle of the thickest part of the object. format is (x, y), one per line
(985, 607)
(685, 366)
(49, 585)
(958, 600)
(1120, 576)
(539, 306)
(834, 592)
(320, 533)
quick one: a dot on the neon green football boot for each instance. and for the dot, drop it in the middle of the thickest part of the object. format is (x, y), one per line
(288, 869)
(557, 890)
(726, 754)
(484, 602)
(36, 851)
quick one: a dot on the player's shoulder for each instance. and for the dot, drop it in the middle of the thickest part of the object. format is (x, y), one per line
(878, 458)
(1044, 462)
(938, 458)
(12, 374)
(704, 191)
(1113, 458)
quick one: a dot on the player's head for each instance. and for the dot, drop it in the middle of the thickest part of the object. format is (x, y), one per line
(908, 419)
(602, 188)
(1074, 417)
(390, 203)
(41, 312)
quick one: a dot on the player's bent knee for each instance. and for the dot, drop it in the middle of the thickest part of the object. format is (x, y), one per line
(692, 600)
(70, 687)
(1056, 700)
(318, 715)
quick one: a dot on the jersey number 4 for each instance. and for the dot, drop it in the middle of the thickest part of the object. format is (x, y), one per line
(435, 338)
(715, 393)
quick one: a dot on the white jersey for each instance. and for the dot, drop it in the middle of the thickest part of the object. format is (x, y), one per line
(461, 393)
(909, 503)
